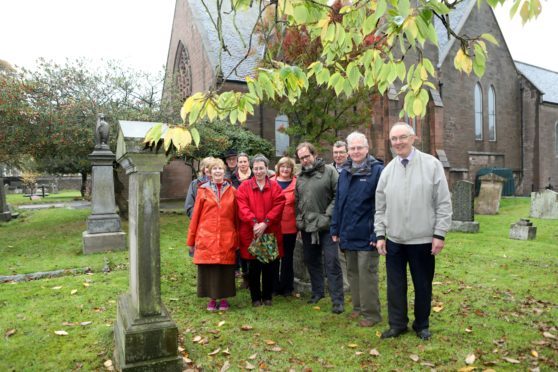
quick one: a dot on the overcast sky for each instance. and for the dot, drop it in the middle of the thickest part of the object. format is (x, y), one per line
(137, 32)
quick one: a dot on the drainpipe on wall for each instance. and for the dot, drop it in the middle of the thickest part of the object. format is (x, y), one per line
(521, 140)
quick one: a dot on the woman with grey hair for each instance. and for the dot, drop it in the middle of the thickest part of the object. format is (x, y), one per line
(260, 209)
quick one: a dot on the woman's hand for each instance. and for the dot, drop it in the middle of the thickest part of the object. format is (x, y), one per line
(259, 229)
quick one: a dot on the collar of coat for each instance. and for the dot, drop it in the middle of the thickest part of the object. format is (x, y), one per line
(366, 170)
(318, 166)
(213, 187)
(254, 183)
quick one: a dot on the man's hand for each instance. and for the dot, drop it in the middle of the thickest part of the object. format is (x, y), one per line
(437, 246)
(334, 238)
(381, 247)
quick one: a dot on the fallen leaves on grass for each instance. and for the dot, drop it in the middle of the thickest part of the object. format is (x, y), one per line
(374, 352)
(253, 356)
(534, 353)
(511, 360)
(466, 369)
(249, 366)
(316, 308)
(61, 333)
(57, 287)
(73, 291)
(470, 359)
(352, 346)
(276, 349)
(108, 365)
(468, 329)
(358, 353)
(226, 352)
(225, 366)
(438, 307)
(414, 357)
(10, 332)
(246, 327)
(549, 335)
(214, 352)
(270, 342)
(221, 323)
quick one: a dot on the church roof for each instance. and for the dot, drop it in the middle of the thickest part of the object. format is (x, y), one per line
(237, 42)
(545, 80)
(457, 19)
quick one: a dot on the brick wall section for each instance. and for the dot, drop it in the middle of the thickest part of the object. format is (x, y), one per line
(548, 157)
(458, 99)
(529, 104)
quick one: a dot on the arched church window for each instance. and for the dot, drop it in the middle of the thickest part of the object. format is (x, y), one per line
(478, 112)
(183, 72)
(491, 114)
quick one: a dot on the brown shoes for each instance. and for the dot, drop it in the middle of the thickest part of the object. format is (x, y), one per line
(366, 323)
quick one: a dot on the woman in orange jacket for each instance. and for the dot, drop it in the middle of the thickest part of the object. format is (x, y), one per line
(260, 207)
(213, 232)
(286, 179)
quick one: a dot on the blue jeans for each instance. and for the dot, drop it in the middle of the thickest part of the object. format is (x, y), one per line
(313, 260)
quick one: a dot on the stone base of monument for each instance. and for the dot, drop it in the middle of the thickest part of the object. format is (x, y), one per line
(103, 242)
(145, 343)
(5, 216)
(523, 230)
(465, 226)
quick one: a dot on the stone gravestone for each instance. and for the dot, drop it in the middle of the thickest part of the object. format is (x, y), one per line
(103, 225)
(5, 214)
(146, 338)
(544, 204)
(490, 194)
(523, 230)
(462, 201)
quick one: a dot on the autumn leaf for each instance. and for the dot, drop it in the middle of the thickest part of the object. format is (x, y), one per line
(470, 359)
(10, 332)
(352, 346)
(85, 284)
(226, 351)
(253, 356)
(276, 348)
(270, 342)
(469, 329)
(74, 291)
(225, 366)
(466, 369)
(414, 357)
(61, 333)
(221, 323)
(316, 308)
(214, 352)
(57, 287)
(85, 323)
(246, 327)
(378, 334)
(187, 360)
(511, 360)
(549, 335)
(249, 366)
(534, 353)
(197, 339)
(108, 363)
(214, 331)
(359, 353)
(374, 352)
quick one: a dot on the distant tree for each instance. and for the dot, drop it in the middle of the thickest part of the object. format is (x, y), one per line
(63, 102)
(219, 136)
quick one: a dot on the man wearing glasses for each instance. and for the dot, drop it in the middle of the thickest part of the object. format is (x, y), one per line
(340, 156)
(413, 215)
(314, 199)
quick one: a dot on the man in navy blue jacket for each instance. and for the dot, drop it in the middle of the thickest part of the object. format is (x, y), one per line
(352, 226)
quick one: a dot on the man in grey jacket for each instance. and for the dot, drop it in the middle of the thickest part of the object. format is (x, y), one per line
(413, 215)
(314, 200)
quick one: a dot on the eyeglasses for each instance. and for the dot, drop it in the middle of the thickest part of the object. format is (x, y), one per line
(339, 152)
(400, 138)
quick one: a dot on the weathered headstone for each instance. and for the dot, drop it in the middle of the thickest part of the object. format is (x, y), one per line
(5, 214)
(103, 225)
(146, 338)
(523, 230)
(544, 204)
(490, 194)
(462, 201)
(302, 279)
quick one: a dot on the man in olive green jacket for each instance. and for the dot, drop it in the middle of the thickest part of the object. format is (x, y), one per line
(315, 196)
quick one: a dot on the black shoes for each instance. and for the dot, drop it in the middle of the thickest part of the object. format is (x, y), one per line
(268, 303)
(424, 334)
(337, 308)
(315, 299)
(393, 332)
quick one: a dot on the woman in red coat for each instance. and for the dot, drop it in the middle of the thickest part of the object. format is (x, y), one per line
(284, 278)
(260, 208)
(213, 231)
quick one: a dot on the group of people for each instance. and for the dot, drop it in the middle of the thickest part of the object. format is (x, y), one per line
(347, 213)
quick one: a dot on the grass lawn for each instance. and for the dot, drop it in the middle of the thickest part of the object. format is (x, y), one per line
(494, 298)
(62, 197)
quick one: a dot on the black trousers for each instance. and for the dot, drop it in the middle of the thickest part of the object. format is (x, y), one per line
(261, 290)
(421, 263)
(285, 273)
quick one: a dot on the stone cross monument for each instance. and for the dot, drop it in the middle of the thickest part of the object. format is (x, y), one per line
(5, 214)
(103, 225)
(146, 338)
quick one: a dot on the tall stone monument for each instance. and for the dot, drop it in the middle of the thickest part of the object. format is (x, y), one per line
(490, 194)
(5, 214)
(462, 201)
(544, 204)
(103, 225)
(146, 338)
